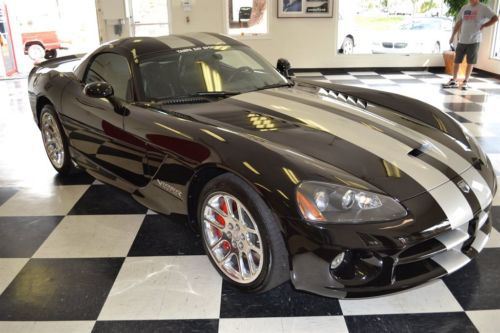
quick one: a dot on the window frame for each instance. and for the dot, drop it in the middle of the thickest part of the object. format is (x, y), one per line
(132, 88)
(266, 35)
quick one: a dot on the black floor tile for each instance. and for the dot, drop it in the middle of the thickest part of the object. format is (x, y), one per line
(104, 199)
(476, 98)
(6, 193)
(463, 107)
(346, 82)
(20, 237)
(166, 235)
(495, 217)
(458, 117)
(156, 326)
(476, 285)
(59, 289)
(408, 323)
(77, 178)
(282, 301)
(426, 76)
(365, 76)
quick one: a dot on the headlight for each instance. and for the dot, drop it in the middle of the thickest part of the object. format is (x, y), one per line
(325, 202)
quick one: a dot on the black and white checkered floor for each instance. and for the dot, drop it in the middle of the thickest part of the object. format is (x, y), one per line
(79, 256)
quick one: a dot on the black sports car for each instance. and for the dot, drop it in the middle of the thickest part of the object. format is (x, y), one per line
(348, 192)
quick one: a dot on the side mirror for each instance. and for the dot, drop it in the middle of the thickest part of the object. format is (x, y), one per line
(283, 66)
(98, 90)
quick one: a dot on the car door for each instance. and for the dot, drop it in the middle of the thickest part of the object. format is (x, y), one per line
(95, 125)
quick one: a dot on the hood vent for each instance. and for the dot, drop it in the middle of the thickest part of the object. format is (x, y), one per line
(344, 97)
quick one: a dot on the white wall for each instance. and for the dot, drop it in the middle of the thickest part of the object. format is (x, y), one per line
(485, 62)
(306, 42)
(109, 13)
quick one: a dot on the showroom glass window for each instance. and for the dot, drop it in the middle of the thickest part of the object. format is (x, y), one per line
(496, 38)
(246, 17)
(149, 17)
(113, 69)
(393, 27)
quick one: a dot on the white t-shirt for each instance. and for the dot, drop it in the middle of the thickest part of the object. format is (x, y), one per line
(472, 18)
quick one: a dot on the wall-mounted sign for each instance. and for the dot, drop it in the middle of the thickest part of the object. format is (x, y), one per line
(305, 8)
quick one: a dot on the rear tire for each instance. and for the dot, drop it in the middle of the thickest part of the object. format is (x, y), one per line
(55, 141)
(36, 52)
(245, 234)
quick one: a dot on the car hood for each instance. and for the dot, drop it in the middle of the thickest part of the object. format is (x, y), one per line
(399, 155)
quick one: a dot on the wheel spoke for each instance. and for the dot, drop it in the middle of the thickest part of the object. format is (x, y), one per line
(218, 211)
(215, 225)
(232, 237)
(251, 262)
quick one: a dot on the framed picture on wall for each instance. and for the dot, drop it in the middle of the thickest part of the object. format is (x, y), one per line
(305, 8)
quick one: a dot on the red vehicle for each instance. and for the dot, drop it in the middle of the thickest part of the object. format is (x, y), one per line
(43, 44)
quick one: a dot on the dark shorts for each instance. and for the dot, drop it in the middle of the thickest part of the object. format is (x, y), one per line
(471, 50)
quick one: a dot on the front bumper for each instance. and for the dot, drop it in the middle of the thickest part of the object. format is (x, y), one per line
(385, 264)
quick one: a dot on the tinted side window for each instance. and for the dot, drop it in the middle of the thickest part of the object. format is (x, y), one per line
(113, 69)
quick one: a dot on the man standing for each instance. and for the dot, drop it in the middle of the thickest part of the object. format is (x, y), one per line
(471, 20)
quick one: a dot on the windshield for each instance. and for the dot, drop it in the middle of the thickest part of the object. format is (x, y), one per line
(223, 68)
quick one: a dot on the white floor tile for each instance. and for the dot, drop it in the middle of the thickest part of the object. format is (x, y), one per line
(398, 77)
(495, 160)
(331, 324)
(184, 287)
(46, 326)
(340, 77)
(486, 321)
(494, 240)
(48, 201)
(90, 236)
(377, 81)
(478, 130)
(434, 297)
(9, 268)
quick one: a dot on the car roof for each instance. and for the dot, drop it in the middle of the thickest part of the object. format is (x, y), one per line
(145, 45)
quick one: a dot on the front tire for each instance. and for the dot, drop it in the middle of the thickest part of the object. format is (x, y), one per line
(348, 45)
(241, 235)
(51, 54)
(55, 141)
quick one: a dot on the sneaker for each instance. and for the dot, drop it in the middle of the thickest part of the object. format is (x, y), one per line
(450, 84)
(465, 85)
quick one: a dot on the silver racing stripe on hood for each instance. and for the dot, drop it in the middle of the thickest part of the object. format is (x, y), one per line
(446, 193)
(435, 149)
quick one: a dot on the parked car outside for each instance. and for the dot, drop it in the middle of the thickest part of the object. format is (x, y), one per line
(41, 44)
(417, 35)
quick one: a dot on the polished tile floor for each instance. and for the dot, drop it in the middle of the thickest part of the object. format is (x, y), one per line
(79, 256)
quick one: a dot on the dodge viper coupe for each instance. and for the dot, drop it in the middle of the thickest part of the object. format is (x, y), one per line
(346, 191)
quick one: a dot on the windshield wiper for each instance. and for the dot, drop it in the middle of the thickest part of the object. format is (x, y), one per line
(276, 85)
(216, 93)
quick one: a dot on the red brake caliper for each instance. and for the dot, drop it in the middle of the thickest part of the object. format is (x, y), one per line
(220, 219)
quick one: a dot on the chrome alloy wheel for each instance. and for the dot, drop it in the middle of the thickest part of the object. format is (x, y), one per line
(52, 140)
(232, 238)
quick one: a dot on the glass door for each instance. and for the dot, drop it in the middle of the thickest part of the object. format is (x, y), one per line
(149, 17)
